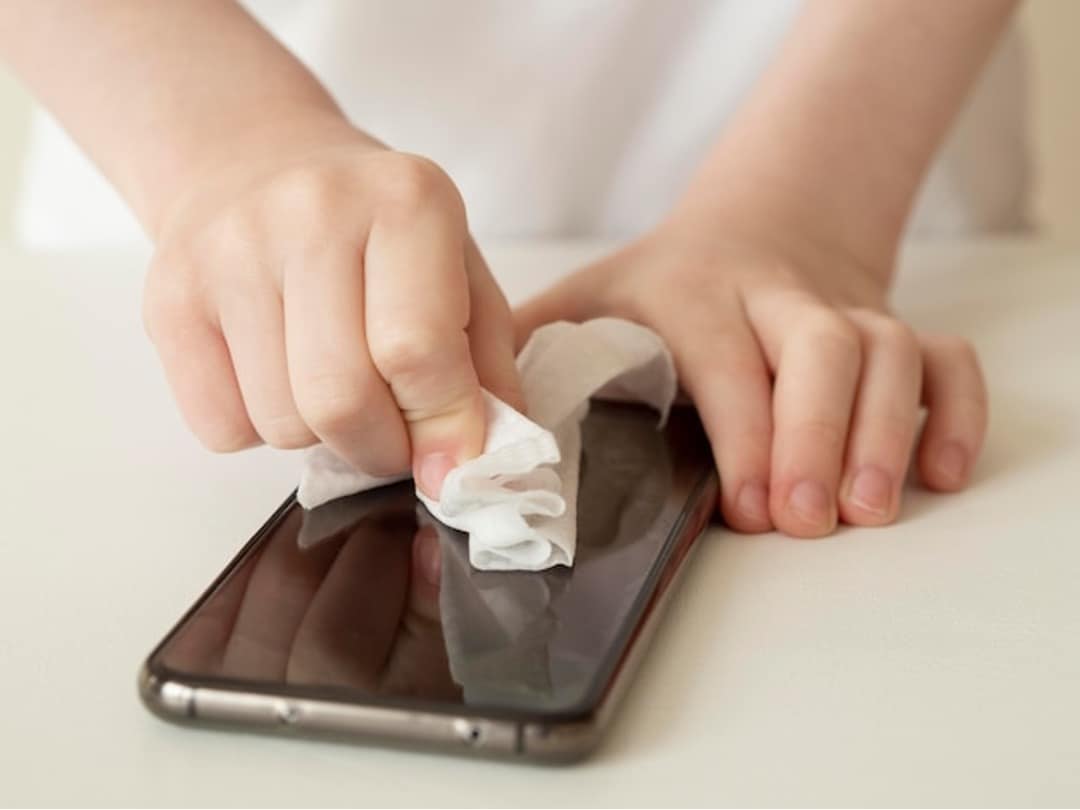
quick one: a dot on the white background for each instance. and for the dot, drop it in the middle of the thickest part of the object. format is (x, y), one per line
(1050, 25)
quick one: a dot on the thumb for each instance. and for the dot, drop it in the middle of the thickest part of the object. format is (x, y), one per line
(456, 433)
(417, 312)
(449, 428)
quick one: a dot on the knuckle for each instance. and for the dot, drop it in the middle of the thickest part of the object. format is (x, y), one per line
(978, 398)
(307, 190)
(157, 309)
(710, 374)
(227, 436)
(736, 355)
(959, 349)
(333, 405)
(821, 434)
(893, 431)
(220, 259)
(892, 332)
(902, 338)
(958, 361)
(836, 332)
(285, 432)
(829, 325)
(409, 184)
(233, 237)
(399, 353)
(321, 201)
(746, 453)
(166, 298)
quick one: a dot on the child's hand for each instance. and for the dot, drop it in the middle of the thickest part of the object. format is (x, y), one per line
(808, 388)
(331, 292)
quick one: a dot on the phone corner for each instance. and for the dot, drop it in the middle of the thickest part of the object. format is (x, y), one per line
(565, 743)
(163, 696)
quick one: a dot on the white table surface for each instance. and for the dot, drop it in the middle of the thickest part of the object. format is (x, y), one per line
(934, 661)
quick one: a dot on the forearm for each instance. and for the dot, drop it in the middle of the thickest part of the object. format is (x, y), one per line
(158, 93)
(844, 124)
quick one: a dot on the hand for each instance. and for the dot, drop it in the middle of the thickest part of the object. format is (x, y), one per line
(808, 388)
(327, 289)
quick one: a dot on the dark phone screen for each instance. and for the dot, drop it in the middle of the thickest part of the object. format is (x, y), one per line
(370, 595)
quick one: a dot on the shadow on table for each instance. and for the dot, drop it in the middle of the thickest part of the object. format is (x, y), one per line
(1024, 430)
(997, 312)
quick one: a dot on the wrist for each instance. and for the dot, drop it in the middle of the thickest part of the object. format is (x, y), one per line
(788, 201)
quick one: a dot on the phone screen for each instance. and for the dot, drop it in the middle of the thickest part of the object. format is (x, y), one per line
(368, 598)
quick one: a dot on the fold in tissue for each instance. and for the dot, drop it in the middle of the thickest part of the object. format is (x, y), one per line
(517, 500)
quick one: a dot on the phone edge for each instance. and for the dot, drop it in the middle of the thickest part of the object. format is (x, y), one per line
(573, 741)
(558, 741)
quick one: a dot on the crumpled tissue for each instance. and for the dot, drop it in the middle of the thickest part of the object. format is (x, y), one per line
(517, 500)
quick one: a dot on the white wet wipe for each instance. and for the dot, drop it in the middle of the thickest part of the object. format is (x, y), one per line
(517, 500)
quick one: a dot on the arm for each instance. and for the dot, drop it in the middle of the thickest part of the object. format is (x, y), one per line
(843, 126)
(159, 94)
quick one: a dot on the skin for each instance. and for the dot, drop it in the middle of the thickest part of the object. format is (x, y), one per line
(311, 284)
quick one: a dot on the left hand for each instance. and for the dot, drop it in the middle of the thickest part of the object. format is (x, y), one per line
(809, 389)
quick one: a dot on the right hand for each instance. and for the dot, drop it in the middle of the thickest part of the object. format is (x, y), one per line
(329, 291)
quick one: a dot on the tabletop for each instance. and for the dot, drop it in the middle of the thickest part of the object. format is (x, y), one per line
(933, 661)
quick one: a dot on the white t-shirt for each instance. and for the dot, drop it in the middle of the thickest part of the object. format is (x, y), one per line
(559, 118)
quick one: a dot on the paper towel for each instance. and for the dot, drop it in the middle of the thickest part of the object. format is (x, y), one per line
(518, 499)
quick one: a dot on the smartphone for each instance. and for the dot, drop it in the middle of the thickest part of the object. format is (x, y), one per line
(363, 620)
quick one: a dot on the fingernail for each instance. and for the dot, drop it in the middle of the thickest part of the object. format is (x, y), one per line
(432, 471)
(952, 462)
(810, 501)
(753, 502)
(872, 490)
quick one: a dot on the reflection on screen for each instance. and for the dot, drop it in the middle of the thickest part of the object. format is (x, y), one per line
(371, 593)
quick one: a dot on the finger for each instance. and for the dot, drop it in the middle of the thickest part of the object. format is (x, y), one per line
(954, 392)
(491, 333)
(253, 325)
(722, 368)
(818, 359)
(198, 368)
(338, 391)
(884, 420)
(417, 311)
